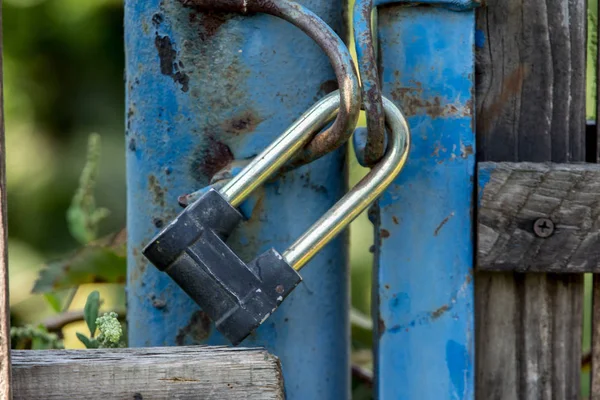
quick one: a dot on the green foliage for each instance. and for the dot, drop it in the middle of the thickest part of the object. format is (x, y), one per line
(82, 215)
(54, 301)
(34, 338)
(90, 311)
(111, 331)
(98, 261)
(103, 261)
(89, 343)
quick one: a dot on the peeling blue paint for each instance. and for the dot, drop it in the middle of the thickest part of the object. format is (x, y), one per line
(426, 336)
(202, 91)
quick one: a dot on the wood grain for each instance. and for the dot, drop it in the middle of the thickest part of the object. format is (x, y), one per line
(5, 392)
(530, 107)
(515, 195)
(147, 373)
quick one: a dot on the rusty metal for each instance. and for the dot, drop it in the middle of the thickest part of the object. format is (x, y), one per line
(543, 227)
(332, 45)
(370, 83)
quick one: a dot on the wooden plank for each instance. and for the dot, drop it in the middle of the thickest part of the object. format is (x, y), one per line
(530, 107)
(5, 392)
(194, 372)
(561, 198)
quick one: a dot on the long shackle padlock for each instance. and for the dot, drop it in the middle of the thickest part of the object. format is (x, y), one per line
(237, 296)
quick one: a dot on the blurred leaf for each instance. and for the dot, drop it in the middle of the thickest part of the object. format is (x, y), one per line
(99, 262)
(34, 338)
(54, 301)
(87, 342)
(82, 215)
(90, 311)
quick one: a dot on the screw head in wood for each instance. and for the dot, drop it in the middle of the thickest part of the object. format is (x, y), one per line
(543, 227)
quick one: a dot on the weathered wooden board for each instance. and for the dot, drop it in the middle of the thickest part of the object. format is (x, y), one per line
(4, 306)
(147, 373)
(530, 107)
(513, 196)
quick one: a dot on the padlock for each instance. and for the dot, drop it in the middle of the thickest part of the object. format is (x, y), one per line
(237, 296)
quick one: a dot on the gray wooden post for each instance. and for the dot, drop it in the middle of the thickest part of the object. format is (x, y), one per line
(530, 107)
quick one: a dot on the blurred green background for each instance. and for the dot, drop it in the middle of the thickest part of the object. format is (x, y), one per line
(63, 80)
(63, 64)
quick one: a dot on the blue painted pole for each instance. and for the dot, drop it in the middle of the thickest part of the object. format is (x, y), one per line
(424, 292)
(203, 90)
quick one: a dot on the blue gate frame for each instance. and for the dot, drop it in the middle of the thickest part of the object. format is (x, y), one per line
(205, 89)
(423, 299)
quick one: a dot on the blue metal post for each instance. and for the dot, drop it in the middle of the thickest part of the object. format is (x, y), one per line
(424, 296)
(203, 90)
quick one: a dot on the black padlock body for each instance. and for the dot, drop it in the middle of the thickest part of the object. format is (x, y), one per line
(236, 296)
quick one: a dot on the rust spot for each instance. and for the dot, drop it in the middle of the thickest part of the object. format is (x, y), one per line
(132, 146)
(385, 233)
(138, 396)
(168, 65)
(466, 151)
(441, 225)
(210, 158)
(195, 331)
(130, 114)
(395, 219)
(439, 312)
(157, 190)
(157, 19)
(159, 223)
(381, 326)
(245, 122)
(412, 102)
(209, 22)
(157, 303)
(279, 289)
(386, 286)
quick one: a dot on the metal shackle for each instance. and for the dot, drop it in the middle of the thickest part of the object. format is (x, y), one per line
(360, 196)
(349, 206)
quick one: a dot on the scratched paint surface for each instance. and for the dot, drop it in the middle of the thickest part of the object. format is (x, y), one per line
(203, 90)
(424, 296)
